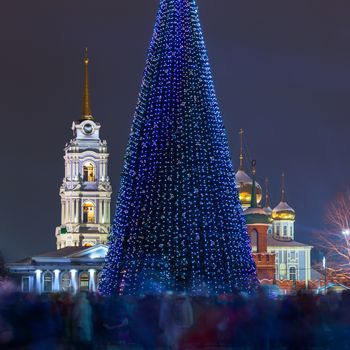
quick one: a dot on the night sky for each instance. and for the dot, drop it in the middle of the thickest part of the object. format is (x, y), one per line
(281, 71)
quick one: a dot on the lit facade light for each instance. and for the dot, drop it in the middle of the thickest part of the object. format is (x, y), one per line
(38, 274)
(346, 232)
(74, 280)
(56, 282)
(92, 280)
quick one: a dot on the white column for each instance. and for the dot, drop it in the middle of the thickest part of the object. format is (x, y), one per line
(74, 280)
(77, 168)
(76, 210)
(307, 267)
(69, 211)
(62, 212)
(100, 175)
(92, 280)
(56, 281)
(65, 211)
(105, 211)
(38, 274)
(99, 216)
(68, 168)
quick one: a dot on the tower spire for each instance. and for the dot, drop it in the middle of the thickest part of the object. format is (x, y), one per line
(254, 202)
(283, 192)
(241, 158)
(86, 113)
(267, 194)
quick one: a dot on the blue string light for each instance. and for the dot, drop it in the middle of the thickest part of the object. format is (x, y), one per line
(178, 223)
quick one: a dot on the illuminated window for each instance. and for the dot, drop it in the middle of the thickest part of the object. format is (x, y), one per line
(66, 282)
(88, 213)
(284, 230)
(47, 278)
(89, 171)
(84, 282)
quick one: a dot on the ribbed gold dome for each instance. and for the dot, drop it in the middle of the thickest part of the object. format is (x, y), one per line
(283, 212)
(244, 184)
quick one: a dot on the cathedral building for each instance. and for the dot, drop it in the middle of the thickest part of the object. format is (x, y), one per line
(272, 233)
(85, 194)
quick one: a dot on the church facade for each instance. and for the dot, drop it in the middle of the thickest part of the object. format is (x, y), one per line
(279, 257)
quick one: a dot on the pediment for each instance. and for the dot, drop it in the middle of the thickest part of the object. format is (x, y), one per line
(98, 251)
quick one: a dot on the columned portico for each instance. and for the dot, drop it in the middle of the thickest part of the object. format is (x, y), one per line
(71, 269)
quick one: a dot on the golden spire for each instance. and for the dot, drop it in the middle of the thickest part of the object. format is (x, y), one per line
(86, 113)
(267, 194)
(283, 194)
(241, 166)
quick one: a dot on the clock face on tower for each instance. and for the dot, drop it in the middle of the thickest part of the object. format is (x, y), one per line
(88, 129)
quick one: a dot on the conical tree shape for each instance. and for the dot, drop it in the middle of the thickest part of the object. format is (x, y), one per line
(178, 223)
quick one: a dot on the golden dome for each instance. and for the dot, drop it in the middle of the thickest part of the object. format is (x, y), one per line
(283, 212)
(244, 184)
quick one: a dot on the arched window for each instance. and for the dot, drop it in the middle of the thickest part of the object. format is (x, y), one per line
(84, 282)
(254, 240)
(89, 171)
(292, 274)
(47, 282)
(66, 282)
(277, 229)
(88, 213)
(284, 230)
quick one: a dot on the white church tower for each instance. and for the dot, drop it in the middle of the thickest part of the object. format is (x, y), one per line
(86, 191)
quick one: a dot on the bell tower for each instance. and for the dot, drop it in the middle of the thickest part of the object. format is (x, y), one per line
(86, 191)
(258, 223)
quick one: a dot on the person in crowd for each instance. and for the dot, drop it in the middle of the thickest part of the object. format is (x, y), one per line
(175, 318)
(82, 323)
(174, 321)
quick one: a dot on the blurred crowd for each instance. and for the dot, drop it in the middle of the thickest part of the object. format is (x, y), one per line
(174, 321)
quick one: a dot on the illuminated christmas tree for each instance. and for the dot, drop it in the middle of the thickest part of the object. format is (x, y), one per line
(178, 223)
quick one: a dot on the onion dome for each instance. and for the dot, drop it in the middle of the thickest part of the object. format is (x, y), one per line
(255, 214)
(283, 211)
(244, 182)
